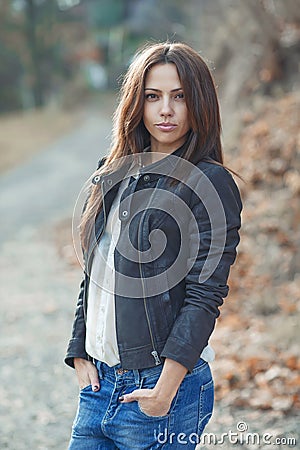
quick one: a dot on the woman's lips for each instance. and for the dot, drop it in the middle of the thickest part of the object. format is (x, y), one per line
(166, 126)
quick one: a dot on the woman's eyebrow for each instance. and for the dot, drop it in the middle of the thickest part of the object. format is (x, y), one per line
(158, 90)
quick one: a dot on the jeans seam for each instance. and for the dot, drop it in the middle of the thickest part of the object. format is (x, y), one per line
(204, 388)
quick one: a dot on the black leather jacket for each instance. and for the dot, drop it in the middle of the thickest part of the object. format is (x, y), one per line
(165, 317)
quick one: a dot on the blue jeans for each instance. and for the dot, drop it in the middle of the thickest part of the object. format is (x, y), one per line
(103, 422)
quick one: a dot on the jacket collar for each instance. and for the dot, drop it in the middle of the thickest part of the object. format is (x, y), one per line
(163, 166)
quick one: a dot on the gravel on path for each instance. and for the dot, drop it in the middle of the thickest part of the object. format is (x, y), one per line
(37, 390)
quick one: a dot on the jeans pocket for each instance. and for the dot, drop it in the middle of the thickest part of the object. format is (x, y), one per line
(148, 415)
(206, 403)
(173, 403)
(149, 383)
(85, 388)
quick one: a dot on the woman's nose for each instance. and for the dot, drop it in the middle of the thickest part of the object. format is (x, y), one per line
(166, 108)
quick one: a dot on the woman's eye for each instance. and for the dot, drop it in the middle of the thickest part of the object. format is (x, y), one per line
(180, 95)
(151, 96)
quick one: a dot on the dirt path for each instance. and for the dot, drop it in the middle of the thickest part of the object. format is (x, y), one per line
(38, 290)
(44, 189)
(37, 392)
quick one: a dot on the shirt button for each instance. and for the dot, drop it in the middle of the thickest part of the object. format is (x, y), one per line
(125, 213)
(146, 177)
(109, 181)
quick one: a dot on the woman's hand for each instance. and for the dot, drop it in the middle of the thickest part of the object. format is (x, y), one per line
(157, 401)
(150, 403)
(87, 374)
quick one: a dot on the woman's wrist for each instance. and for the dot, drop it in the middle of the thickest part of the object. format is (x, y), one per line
(163, 393)
(169, 380)
(79, 362)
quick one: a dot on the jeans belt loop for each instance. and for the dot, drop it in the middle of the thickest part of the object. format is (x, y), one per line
(98, 366)
(137, 377)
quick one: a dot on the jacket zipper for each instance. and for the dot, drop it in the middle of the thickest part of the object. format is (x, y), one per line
(154, 352)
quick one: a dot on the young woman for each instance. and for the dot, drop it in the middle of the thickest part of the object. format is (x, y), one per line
(159, 233)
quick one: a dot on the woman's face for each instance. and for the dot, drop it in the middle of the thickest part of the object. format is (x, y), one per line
(165, 112)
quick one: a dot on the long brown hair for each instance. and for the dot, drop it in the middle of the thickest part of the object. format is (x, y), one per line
(129, 133)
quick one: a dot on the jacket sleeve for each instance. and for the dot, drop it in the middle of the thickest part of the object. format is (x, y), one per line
(76, 347)
(196, 319)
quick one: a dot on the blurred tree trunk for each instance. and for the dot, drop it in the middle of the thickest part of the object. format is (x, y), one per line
(33, 48)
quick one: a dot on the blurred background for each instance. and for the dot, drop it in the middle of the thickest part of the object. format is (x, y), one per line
(61, 63)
